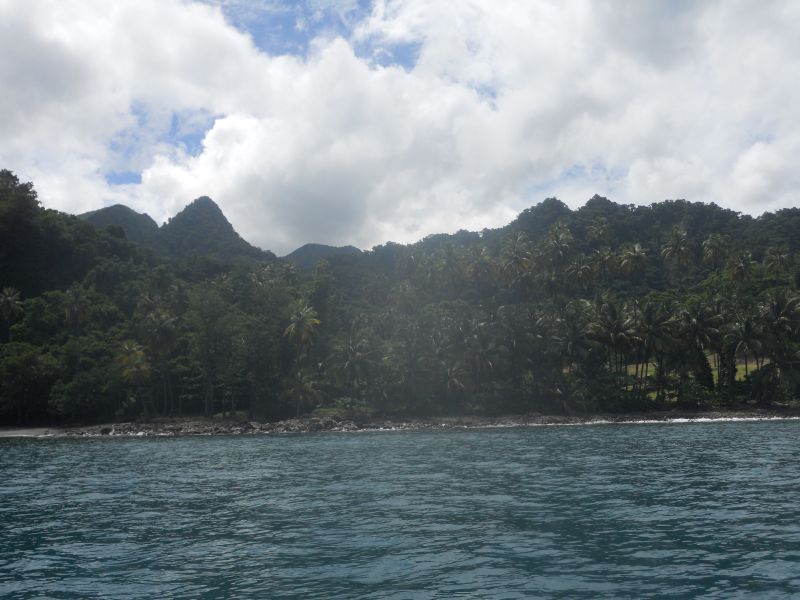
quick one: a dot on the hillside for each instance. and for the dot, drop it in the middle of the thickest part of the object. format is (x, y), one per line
(139, 228)
(308, 255)
(607, 308)
(200, 229)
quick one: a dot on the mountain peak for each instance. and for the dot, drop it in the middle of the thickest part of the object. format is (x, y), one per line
(199, 229)
(138, 227)
(203, 208)
(204, 202)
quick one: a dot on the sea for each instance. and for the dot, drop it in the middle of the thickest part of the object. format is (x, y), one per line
(651, 510)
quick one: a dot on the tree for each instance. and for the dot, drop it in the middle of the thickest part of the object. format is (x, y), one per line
(716, 250)
(740, 269)
(777, 260)
(744, 337)
(135, 370)
(76, 307)
(632, 260)
(354, 360)
(11, 308)
(303, 389)
(212, 325)
(677, 251)
(515, 261)
(302, 328)
(161, 334)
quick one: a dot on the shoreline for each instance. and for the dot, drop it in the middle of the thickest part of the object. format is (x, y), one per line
(199, 426)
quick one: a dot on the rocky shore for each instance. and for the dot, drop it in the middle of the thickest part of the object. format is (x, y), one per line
(201, 426)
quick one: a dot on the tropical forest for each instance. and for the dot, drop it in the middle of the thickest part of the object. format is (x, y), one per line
(609, 308)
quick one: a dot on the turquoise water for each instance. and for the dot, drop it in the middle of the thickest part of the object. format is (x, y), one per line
(706, 510)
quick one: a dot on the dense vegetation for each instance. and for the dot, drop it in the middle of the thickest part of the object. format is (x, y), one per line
(607, 308)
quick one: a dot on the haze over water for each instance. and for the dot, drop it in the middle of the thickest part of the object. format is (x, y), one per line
(614, 511)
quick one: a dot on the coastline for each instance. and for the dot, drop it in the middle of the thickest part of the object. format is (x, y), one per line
(195, 426)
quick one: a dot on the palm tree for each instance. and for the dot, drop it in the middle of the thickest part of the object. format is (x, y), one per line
(558, 247)
(676, 249)
(355, 360)
(655, 334)
(482, 271)
(632, 259)
(515, 261)
(76, 306)
(302, 328)
(135, 370)
(613, 330)
(481, 347)
(161, 334)
(573, 332)
(715, 250)
(453, 375)
(777, 260)
(10, 307)
(580, 272)
(698, 328)
(780, 315)
(744, 337)
(304, 390)
(741, 267)
(604, 262)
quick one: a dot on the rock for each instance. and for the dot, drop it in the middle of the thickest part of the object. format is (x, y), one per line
(105, 430)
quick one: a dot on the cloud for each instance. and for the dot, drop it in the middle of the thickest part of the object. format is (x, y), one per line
(494, 107)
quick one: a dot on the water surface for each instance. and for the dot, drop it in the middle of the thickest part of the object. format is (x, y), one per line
(705, 510)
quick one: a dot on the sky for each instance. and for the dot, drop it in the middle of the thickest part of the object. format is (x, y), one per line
(361, 122)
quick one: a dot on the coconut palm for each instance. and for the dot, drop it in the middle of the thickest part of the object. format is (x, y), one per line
(744, 337)
(604, 261)
(302, 328)
(780, 316)
(135, 370)
(654, 333)
(613, 330)
(777, 260)
(715, 249)
(741, 267)
(698, 328)
(632, 259)
(580, 272)
(557, 247)
(354, 360)
(76, 306)
(303, 390)
(515, 261)
(677, 249)
(482, 271)
(161, 335)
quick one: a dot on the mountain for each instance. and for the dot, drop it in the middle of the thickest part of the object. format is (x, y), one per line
(305, 257)
(138, 227)
(200, 229)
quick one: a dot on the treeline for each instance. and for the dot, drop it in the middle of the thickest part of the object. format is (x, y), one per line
(607, 308)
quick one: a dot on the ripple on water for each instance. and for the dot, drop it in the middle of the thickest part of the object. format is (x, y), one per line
(692, 510)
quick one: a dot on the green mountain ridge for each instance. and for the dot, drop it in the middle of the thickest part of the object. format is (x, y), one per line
(137, 227)
(605, 308)
(200, 229)
(308, 255)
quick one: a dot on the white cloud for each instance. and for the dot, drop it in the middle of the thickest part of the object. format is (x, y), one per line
(507, 103)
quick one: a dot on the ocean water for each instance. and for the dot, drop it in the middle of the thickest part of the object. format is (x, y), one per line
(708, 510)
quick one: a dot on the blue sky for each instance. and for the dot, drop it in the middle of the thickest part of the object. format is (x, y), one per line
(355, 122)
